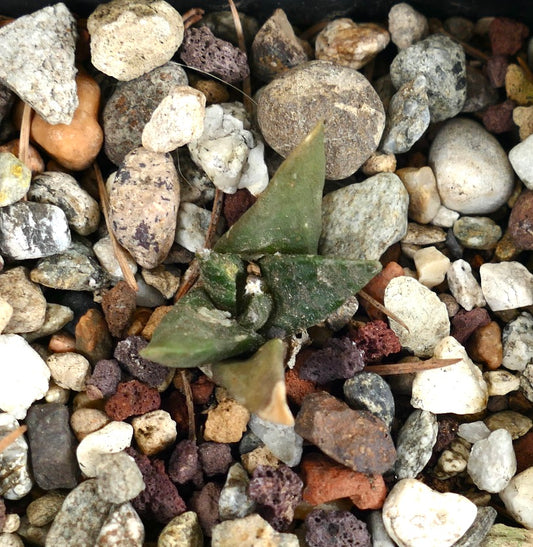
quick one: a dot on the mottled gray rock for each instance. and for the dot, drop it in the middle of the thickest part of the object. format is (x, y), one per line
(144, 202)
(506, 285)
(234, 501)
(131, 106)
(477, 232)
(32, 230)
(15, 179)
(369, 391)
(363, 220)
(380, 536)
(131, 37)
(122, 527)
(517, 338)
(55, 318)
(479, 92)
(473, 173)
(442, 62)
(37, 61)
(52, 446)
(464, 286)
(406, 25)
(62, 189)
(415, 443)
(291, 105)
(481, 526)
(15, 480)
(408, 117)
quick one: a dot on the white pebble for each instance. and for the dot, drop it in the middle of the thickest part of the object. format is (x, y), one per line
(501, 382)
(506, 285)
(431, 266)
(192, 226)
(154, 431)
(424, 199)
(406, 25)
(521, 158)
(473, 431)
(464, 286)
(518, 497)
(69, 370)
(517, 338)
(103, 249)
(445, 218)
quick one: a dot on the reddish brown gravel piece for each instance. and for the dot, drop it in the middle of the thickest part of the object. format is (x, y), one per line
(205, 504)
(464, 323)
(235, 205)
(376, 340)
(523, 448)
(92, 336)
(376, 288)
(132, 398)
(521, 221)
(498, 118)
(507, 35)
(119, 306)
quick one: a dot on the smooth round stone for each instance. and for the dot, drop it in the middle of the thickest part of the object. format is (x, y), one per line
(506, 285)
(517, 338)
(492, 462)
(473, 173)
(417, 516)
(55, 318)
(514, 423)
(464, 286)
(477, 232)
(521, 158)
(518, 497)
(445, 217)
(132, 37)
(15, 179)
(290, 106)
(154, 431)
(43, 510)
(442, 62)
(415, 443)
(118, 478)
(369, 391)
(406, 25)
(103, 249)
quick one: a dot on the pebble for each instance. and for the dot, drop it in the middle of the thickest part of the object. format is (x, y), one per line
(204, 503)
(23, 378)
(291, 105)
(442, 62)
(92, 336)
(234, 501)
(118, 305)
(379, 162)
(183, 530)
(473, 173)
(362, 220)
(523, 118)
(62, 189)
(148, 296)
(12, 523)
(346, 43)
(192, 225)
(406, 25)
(445, 218)
(506, 35)
(415, 443)
(369, 391)
(506, 285)
(408, 117)
(123, 526)
(6, 312)
(431, 266)
(477, 232)
(177, 120)
(10, 540)
(112, 438)
(132, 398)
(421, 234)
(154, 431)
(380, 537)
(519, 226)
(466, 322)
(464, 286)
(355, 438)
(32, 230)
(35, 161)
(492, 462)
(501, 382)
(215, 458)
(184, 464)
(122, 36)
(518, 497)
(87, 420)
(416, 516)
(165, 280)
(479, 92)
(80, 518)
(226, 422)
(485, 345)
(281, 440)
(26, 299)
(15, 179)
(131, 106)
(517, 338)
(69, 370)
(276, 48)
(55, 318)
(37, 61)
(103, 249)
(514, 423)
(517, 85)
(424, 200)
(501, 535)
(15, 481)
(453, 460)
(44, 509)
(228, 150)
(480, 528)
(325, 528)
(56, 394)
(421, 310)
(259, 456)
(52, 445)
(118, 478)
(458, 388)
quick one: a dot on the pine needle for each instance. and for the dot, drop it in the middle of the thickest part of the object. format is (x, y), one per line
(11, 437)
(371, 300)
(410, 366)
(25, 129)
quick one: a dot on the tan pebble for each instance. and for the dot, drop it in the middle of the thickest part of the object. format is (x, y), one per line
(69, 370)
(523, 117)
(421, 185)
(515, 423)
(154, 320)
(431, 266)
(6, 311)
(214, 92)
(154, 431)
(163, 279)
(81, 400)
(379, 162)
(11, 523)
(92, 336)
(35, 161)
(259, 456)
(87, 420)
(57, 394)
(62, 342)
(33, 535)
(506, 249)
(76, 145)
(43, 510)
(226, 422)
(140, 319)
(517, 86)
(501, 382)
(485, 345)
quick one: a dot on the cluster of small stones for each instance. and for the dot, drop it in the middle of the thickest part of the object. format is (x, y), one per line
(97, 446)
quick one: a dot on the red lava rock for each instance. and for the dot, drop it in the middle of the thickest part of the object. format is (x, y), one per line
(184, 464)
(521, 221)
(202, 389)
(376, 340)
(464, 323)
(498, 118)
(354, 438)
(523, 448)
(340, 358)
(235, 205)
(205, 504)
(277, 492)
(92, 336)
(132, 398)
(119, 306)
(176, 405)
(507, 35)
(327, 528)
(215, 458)
(326, 480)
(104, 380)
(296, 387)
(376, 288)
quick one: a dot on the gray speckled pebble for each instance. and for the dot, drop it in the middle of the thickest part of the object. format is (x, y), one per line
(369, 391)
(122, 528)
(363, 220)
(55, 318)
(119, 478)
(517, 340)
(415, 443)
(477, 232)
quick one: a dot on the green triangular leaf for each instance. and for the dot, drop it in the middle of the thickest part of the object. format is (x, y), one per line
(194, 332)
(307, 288)
(258, 383)
(287, 216)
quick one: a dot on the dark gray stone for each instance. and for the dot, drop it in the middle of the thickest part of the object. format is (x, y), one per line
(480, 528)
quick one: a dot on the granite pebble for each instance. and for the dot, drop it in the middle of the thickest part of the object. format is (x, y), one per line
(517, 338)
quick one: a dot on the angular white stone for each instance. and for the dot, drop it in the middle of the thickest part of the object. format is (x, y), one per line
(192, 226)
(445, 218)
(518, 497)
(234, 501)
(154, 431)
(521, 158)
(506, 285)
(421, 310)
(501, 382)
(492, 462)
(517, 338)
(24, 375)
(69, 370)
(473, 431)
(464, 286)
(431, 266)
(417, 516)
(458, 388)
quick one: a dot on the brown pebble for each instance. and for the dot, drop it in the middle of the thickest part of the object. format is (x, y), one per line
(202, 389)
(485, 345)
(519, 403)
(214, 92)
(93, 339)
(140, 318)
(35, 161)
(297, 388)
(506, 249)
(464, 323)
(523, 448)
(521, 221)
(235, 205)
(62, 342)
(498, 118)
(153, 321)
(132, 398)
(376, 289)
(176, 405)
(118, 305)
(507, 35)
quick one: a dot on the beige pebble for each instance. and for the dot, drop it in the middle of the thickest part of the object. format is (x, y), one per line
(226, 422)
(183, 530)
(421, 185)
(82, 400)
(523, 117)
(55, 318)
(501, 382)
(379, 162)
(163, 279)
(43, 510)
(6, 311)
(259, 456)
(87, 420)
(154, 431)
(431, 266)
(11, 523)
(62, 342)
(57, 394)
(515, 423)
(10, 540)
(35, 161)
(69, 370)
(422, 234)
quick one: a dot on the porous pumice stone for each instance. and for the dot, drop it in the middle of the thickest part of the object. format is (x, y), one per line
(473, 173)
(291, 105)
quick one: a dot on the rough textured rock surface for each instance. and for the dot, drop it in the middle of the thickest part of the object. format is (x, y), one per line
(335, 528)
